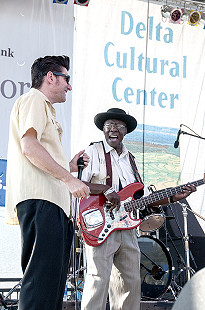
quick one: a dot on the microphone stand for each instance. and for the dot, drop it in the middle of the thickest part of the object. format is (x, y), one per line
(193, 135)
(80, 164)
(189, 270)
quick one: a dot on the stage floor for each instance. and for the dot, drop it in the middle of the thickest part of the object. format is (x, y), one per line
(145, 305)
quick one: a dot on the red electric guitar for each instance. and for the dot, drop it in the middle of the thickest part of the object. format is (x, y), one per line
(97, 223)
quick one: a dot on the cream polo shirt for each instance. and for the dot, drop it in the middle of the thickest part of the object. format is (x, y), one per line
(24, 180)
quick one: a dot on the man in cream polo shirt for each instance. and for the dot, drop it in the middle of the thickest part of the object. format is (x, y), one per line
(39, 185)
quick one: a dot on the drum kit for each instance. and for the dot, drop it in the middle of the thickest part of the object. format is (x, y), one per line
(156, 262)
(158, 278)
(158, 274)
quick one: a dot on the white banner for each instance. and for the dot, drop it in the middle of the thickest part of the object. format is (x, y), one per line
(126, 56)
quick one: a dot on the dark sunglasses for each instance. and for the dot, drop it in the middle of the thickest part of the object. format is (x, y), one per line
(67, 77)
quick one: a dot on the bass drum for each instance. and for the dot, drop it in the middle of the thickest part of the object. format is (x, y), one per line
(155, 267)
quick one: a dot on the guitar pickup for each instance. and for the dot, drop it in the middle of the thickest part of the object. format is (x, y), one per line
(92, 219)
(112, 215)
(123, 218)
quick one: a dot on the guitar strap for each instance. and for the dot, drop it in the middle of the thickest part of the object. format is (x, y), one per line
(134, 168)
(109, 167)
(107, 174)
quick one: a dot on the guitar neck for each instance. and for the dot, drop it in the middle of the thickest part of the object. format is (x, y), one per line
(157, 196)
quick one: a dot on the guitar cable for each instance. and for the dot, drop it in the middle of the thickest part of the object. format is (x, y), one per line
(91, 234)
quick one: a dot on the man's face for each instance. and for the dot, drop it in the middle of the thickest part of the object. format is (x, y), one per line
(114, 131)
(61, 86)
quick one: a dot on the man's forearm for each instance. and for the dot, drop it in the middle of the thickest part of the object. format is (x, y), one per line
(40, 158)
(97, 189)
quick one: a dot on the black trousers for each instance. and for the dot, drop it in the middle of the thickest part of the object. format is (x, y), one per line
(47, 235)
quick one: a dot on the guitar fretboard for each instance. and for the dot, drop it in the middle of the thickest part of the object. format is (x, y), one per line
(158, 195)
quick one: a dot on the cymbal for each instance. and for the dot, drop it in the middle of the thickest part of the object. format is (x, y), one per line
(170, 217)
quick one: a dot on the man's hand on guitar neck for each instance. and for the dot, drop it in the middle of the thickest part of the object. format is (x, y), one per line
(187, 190)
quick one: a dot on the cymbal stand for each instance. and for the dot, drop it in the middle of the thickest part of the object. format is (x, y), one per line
(174, 287)
(185, 238)
(186, 264)
(189, 270)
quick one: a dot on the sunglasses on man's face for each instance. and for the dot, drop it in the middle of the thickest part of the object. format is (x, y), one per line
(67, 77)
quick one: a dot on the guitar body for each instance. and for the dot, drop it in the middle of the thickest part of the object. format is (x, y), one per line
(97, 223)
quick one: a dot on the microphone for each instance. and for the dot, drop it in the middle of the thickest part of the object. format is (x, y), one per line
(80, 163)
(176, 143)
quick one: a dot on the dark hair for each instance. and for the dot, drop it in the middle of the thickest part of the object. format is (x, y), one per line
(43, 65)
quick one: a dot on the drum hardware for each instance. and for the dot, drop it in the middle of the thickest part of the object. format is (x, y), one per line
(75, 272)
(6, 302)
(155, 267)
(174, 287)
(152, 218)
(170, 218)
(183, 263)
(189, 270)
(185, 237)
(72, 289)
(157, 271)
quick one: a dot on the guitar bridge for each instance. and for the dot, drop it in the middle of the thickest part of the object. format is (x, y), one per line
(92, 219)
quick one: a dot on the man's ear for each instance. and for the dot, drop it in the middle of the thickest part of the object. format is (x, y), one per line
(49, 77)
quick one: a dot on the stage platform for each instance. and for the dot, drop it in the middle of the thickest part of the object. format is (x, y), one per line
(145, 305)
